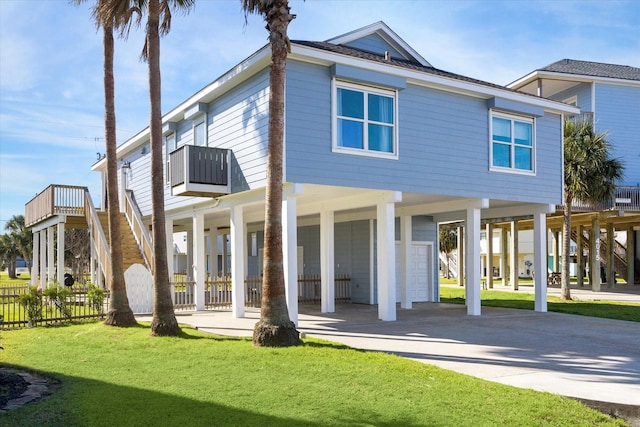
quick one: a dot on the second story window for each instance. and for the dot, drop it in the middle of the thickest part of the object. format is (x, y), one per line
(170, 140)
(199, 133)
(365, 120)
(512, 143)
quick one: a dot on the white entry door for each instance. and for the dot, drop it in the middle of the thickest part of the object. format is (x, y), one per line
(420, 271)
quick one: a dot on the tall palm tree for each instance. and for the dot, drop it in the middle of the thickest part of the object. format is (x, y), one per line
(590, 176)
(275, 328)
(159, 23)
(110, 15)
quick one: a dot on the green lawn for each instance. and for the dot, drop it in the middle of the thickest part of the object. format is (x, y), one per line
(123, 377)
(524, 300)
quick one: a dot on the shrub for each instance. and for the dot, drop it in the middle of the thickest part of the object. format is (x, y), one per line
(32, 303)
(95, 297)
(61, 298)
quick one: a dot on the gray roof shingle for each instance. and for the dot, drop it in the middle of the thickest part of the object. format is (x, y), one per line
(594, 69)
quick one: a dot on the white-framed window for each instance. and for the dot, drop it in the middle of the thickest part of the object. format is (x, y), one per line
(170, 143)
(364, 120)
(512, 143)
(200, 132)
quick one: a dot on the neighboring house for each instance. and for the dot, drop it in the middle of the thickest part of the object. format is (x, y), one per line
(608, 94)
(380, 148)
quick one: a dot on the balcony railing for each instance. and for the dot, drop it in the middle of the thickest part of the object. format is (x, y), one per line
(199, 171)
(55, 200)
(625, 199)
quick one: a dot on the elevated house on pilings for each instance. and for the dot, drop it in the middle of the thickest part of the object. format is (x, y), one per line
(380, 149)
(606, 237)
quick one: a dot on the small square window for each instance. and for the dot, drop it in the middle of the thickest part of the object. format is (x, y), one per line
(365, 120)
(512, 143)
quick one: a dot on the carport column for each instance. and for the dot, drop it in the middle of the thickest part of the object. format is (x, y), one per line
(36, 258)
(472, 243)
(540, 261)
(60, 257)
(238, 243)
(513, 262)
(190, 255)
(460, 260)
(386, 261)
(489, 233)
(168, 230)
(579, 258)
(594, 255)
(290, 255)
(50, 256)
(631, 255)
(213, 252)
(43, 259)
(327, 262)
(611, 253)
(405, 256)
(199, 257)
(504, 256)
(556, 251)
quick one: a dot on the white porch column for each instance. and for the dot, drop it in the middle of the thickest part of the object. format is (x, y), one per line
(327, 263)
(60, 257)
(556, 251)
(43, 259)
(489, 233)
(504, 256)
(199, 257)
(514, 256)
(190, 255)
(290, 255)
(461, 257)
(405, 256)
(579, 257)
(238, 243)
(472, 243)
(594, 255)
(386, 249)
(213, 251)
(540, 261)
(36, 258)
(168, 227)
(50, 256)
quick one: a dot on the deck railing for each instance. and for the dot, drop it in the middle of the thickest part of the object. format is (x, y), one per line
(55, 200)
(626, 198)
(218, 292)
(99, 240)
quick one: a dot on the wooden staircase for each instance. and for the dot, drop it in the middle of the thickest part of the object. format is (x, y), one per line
(130, 251)
(620, 259)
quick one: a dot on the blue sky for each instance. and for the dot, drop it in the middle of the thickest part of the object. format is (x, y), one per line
(51, 94)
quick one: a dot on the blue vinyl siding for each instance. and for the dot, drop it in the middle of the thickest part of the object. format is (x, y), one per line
(618, 113)
(440, 134)
(376, 44)
(583, 94)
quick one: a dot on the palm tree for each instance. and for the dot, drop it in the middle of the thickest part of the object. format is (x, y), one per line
(275, 328)
(21, 235)
(110, 15)
(590, 176)
(159, 23)
(9, 252)
(448, 241)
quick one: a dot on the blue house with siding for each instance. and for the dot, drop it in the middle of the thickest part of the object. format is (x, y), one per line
(380, 149)
(609, 95)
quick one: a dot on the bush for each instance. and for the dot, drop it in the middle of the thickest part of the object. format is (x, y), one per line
(61, 298)
(32, 303)
(95, 297)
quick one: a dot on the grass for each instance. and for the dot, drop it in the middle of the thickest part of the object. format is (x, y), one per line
(112, 376)
(523, 300)
(21, 280)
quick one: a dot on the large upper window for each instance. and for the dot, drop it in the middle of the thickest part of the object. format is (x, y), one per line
(365, 120)
(512, 142)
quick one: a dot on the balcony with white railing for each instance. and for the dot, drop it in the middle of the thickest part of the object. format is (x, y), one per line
(200, 171)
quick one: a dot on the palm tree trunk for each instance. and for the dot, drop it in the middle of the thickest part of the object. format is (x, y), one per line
(164, 320)
(120, 313)
(565, 292)
(275, 328)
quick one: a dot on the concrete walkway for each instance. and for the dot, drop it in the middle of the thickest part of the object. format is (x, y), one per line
(576, 356)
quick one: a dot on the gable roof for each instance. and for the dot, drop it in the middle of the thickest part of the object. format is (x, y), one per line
(595, 69)
(387, 34)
